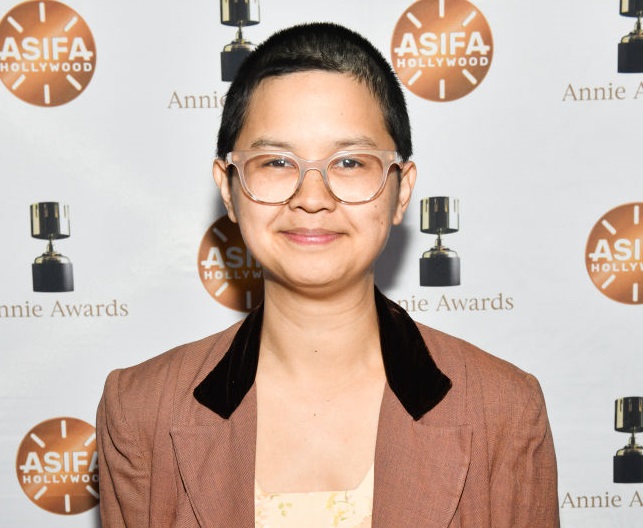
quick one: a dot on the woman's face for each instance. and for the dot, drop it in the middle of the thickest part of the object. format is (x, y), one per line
(314, 242)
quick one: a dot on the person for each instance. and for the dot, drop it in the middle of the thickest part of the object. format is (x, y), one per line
(328, 405)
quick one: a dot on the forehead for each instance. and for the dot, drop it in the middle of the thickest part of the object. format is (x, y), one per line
(313, 107)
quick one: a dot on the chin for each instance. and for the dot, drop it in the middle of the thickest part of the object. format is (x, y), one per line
(318, 282)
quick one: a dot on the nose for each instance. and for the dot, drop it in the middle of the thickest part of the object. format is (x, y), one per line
(313, 195)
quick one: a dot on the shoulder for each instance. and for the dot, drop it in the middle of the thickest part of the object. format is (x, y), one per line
(459, 358)
(485, 389)
(188, 357)
(137, 394)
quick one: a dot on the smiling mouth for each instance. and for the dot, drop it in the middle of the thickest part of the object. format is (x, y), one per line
(311, 236)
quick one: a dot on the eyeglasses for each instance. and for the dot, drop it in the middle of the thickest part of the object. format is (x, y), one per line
(351, 176)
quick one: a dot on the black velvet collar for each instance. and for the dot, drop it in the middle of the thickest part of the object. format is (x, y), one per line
(410, 370)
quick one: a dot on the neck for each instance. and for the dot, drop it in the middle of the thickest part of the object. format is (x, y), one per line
(315, 338)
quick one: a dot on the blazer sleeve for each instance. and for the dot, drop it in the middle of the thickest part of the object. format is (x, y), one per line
(524, 484)
(124, 469)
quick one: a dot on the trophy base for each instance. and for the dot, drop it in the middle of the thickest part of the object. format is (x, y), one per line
(231, 60)
(630, 57)
(52, 277)
(440, 270)
(628, 468)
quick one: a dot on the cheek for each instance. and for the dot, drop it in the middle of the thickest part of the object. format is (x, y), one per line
(385, 209)
(253, 239)
(245, 209)
(246, 217)
(378, 222)
(254, 222)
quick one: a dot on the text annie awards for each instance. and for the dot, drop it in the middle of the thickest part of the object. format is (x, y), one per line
(59, 309)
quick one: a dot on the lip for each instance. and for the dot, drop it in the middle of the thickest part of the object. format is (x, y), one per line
(310, 237)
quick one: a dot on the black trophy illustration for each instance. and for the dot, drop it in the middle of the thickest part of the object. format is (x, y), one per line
(628, 418)
(440, 266)
(630, 49)
(51, 271)
(238, 13)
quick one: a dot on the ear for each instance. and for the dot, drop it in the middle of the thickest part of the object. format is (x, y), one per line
(220, 173)
(407, 182)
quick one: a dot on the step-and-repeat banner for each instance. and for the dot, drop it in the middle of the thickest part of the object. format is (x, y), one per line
(116, 246)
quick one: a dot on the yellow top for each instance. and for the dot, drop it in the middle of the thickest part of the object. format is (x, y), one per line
(316, 509)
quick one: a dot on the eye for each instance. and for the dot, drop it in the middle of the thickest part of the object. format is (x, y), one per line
(348, 163)
(278, 163)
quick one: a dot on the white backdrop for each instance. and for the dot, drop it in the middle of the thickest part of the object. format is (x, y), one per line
(533, 168)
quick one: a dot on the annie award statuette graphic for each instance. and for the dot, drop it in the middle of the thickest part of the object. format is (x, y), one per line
(628, 418)
(51, 271)
(440, 266)
(630, 49)
(237, 13)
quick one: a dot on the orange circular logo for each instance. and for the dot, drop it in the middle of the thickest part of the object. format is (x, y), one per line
(613, 254)
(227, 269)
(57, 466)
(442, 49)
(47, 53)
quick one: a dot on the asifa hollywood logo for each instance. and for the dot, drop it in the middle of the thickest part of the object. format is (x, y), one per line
(47, 53)
(614, 256)
(442, 49)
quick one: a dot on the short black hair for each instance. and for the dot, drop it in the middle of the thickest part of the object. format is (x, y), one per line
(318, 46)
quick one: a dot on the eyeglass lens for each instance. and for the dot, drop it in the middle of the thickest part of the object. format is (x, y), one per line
(273, 177)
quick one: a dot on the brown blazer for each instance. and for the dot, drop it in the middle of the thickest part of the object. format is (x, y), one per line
(478, 454)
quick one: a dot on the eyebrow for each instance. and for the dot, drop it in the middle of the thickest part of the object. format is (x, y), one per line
(357, 141)
(273, 143)
(362, 141)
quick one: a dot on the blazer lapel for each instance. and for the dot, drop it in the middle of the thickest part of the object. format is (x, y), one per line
(216, 461)
(420, 469)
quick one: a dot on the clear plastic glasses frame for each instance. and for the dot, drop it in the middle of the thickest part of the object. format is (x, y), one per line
(350, 176)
